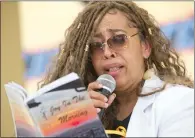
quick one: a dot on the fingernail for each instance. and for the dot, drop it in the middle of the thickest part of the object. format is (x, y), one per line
(106, 105)
(98, 110)
(114, 95)
(100, 85)
(105, 99)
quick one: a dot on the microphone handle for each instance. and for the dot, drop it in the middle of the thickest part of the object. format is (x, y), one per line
(107, 94)
(101, 113)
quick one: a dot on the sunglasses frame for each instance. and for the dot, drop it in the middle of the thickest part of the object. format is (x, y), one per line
(127, 37)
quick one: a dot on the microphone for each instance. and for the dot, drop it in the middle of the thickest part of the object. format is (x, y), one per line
(109, 84)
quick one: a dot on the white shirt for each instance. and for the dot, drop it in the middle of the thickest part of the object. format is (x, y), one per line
(169, 113)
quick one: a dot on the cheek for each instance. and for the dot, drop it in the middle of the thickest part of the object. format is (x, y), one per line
(97, 65)
(134, 59)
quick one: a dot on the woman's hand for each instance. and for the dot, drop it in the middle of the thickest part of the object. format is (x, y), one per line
(99, 100)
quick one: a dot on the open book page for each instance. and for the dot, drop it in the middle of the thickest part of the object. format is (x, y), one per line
(24, 125)
(66, 110)
(20, 88)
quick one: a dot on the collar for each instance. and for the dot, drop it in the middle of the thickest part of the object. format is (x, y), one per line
(150, 85)
(139, 125)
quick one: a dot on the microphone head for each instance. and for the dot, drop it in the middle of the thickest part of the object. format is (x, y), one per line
(107, 81)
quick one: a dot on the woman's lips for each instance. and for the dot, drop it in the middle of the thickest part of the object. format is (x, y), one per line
(114, 71)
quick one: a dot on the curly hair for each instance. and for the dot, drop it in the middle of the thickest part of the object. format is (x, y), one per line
(73, 57)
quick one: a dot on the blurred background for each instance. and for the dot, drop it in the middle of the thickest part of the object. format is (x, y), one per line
(32, 30)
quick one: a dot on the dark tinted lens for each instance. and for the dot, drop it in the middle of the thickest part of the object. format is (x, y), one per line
(117, 40)
(95, 46)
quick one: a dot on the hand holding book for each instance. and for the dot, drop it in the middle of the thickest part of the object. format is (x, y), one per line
(62, 108)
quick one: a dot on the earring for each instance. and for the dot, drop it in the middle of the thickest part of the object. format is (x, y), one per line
(149, 72)
(150, 31)
(86, 48)
(79, 26)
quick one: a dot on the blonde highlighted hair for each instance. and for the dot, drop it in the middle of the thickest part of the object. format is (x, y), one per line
(73, 56)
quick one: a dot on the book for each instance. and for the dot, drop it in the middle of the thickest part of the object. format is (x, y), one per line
(62, 108)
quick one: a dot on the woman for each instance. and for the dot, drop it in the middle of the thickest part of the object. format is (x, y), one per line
(153, 95)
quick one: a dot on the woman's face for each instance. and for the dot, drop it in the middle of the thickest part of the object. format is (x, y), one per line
(122, 53)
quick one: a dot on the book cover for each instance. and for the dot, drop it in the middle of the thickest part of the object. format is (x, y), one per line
(62, 108)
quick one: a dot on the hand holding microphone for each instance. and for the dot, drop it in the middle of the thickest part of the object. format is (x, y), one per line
(100, 92)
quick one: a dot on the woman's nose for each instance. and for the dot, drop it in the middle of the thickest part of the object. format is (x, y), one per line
(108, 52)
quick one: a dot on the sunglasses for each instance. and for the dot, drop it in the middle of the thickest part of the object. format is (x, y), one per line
(115, 43)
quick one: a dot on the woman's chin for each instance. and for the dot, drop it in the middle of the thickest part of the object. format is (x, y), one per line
(120, 85)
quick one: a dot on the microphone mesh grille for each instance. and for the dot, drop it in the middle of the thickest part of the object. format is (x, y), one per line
(108, 81)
